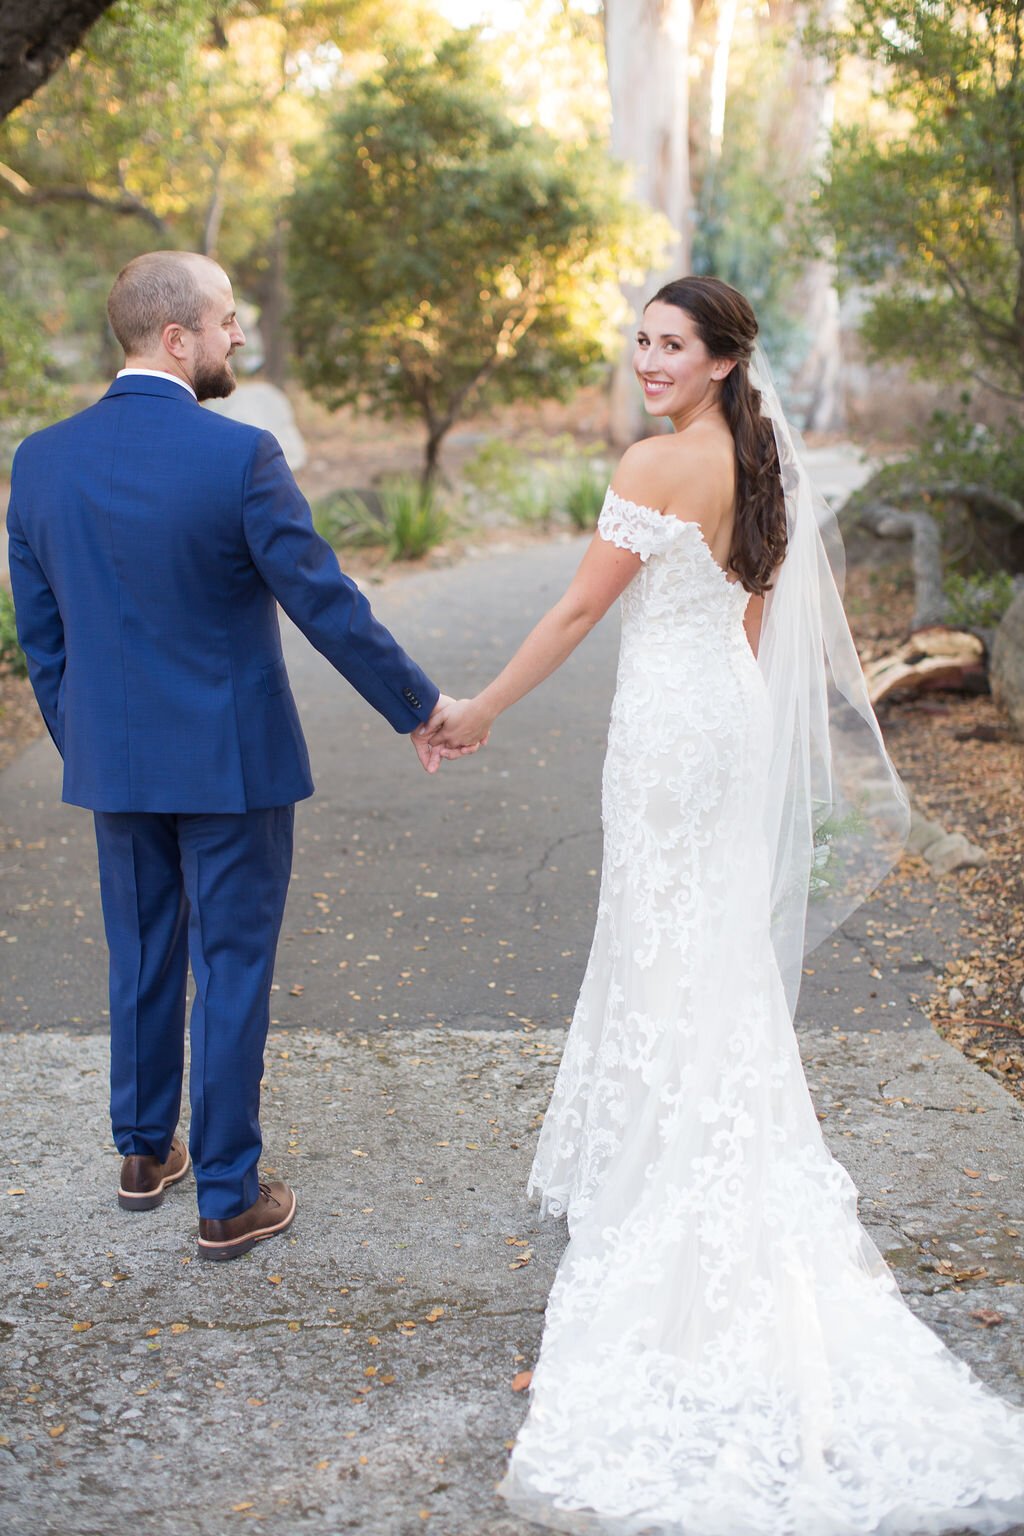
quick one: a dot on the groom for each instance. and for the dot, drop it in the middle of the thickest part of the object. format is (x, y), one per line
(150, 544)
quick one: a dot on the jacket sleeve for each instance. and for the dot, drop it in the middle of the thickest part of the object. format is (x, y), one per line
(40, 627)
(302, 571)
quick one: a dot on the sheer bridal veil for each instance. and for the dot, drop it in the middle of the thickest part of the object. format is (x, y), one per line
(837, 813)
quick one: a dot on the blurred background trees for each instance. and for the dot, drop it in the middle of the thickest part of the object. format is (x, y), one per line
(424, 215)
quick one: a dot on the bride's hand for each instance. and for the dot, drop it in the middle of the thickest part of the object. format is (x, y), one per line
(460, 726)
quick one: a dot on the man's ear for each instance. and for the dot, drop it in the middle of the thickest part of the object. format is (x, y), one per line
(173, 338)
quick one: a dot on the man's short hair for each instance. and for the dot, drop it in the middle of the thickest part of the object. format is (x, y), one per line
(157, 289)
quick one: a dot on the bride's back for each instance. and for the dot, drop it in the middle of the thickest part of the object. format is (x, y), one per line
(690, 475)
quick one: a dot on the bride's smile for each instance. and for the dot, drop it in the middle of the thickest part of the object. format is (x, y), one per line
(675, 370)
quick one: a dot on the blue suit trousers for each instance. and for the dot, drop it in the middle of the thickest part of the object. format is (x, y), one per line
(210, 890)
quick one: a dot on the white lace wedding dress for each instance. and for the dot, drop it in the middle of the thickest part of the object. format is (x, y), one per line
(724, 1353)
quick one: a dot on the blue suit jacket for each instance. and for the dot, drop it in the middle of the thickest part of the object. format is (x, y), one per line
(150, 543)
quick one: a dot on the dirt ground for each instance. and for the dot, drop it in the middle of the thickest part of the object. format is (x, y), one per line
(961, 764)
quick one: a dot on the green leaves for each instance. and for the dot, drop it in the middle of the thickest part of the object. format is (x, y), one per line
(929, 205)
(443, 254)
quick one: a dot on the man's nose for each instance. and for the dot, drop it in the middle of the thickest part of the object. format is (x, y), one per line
(238, 337)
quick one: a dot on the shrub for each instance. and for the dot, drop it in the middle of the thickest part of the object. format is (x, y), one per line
(978, 601)
(582, 494)
(347, 521)
(415, 520)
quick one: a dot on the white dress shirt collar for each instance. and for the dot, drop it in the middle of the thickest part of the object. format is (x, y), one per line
(155, 373)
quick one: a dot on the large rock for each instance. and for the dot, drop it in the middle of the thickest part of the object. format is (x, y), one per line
(259, 404)
(1006, 668)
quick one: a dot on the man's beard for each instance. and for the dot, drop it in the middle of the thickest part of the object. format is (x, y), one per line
(213, 381)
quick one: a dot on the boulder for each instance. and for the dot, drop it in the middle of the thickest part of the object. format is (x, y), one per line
(1006, 668)
(954, 851)
(259, 404)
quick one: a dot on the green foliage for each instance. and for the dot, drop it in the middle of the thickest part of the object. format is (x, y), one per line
(12, 657)
(347, 521)
(28, 397)
(538, 477)
(978, 601)
(415, 518)
(926, 204)
(408, 520)
(954, 448)
(582, 495)
(175, 126)
(508, 480)
(443, 255)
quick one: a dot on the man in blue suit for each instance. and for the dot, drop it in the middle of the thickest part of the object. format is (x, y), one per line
(150, 544)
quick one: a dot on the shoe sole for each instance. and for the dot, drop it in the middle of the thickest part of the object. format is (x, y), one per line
(149, 1199)
(220, 1252)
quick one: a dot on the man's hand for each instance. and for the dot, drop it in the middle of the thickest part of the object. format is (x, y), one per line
(457, 727)
(432, 751)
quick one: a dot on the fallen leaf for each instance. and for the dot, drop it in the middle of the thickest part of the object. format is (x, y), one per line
(273, 1279)
(297, 990)
(58, 1429)
(972, 1173)
(435, 1314)
(15, 1191)
(179, 1327)
(988, 1318)
(256, 1402)
(521, 1381)
(80, 1327)
(238, 1508)
(522, 1259)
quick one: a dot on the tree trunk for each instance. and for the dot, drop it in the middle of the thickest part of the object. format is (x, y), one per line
(274, 312)
(36, 37)
(801, 136)
(432, 459)
(647, 51)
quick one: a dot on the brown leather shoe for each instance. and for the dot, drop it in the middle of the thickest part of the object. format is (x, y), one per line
(144, 1179)
(271, 1213)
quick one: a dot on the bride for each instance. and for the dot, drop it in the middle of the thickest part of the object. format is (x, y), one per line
(725, 1352)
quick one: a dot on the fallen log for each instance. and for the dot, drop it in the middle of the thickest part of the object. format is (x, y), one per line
(935, 657)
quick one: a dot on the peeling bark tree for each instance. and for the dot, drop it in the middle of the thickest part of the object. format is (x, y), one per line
(647, 50)
(801, 133)
(35, 37)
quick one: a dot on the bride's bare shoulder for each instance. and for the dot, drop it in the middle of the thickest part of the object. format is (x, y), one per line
(646, 472)
(654, 471)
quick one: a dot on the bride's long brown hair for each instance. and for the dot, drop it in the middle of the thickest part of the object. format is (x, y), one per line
(727, 326)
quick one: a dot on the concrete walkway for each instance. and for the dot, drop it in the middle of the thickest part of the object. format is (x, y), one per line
(354, 1376)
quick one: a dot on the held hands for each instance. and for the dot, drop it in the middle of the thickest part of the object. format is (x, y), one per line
(455, 729)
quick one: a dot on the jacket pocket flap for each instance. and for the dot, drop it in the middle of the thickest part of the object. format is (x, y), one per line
(275, 677)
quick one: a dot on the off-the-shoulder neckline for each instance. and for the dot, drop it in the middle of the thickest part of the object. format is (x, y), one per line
(680, 522)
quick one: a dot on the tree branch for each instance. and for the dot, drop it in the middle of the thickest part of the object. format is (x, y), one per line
(970, 493)
(931, 604)
(126, 203)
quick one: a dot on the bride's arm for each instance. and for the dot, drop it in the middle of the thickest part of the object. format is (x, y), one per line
(604, 573)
